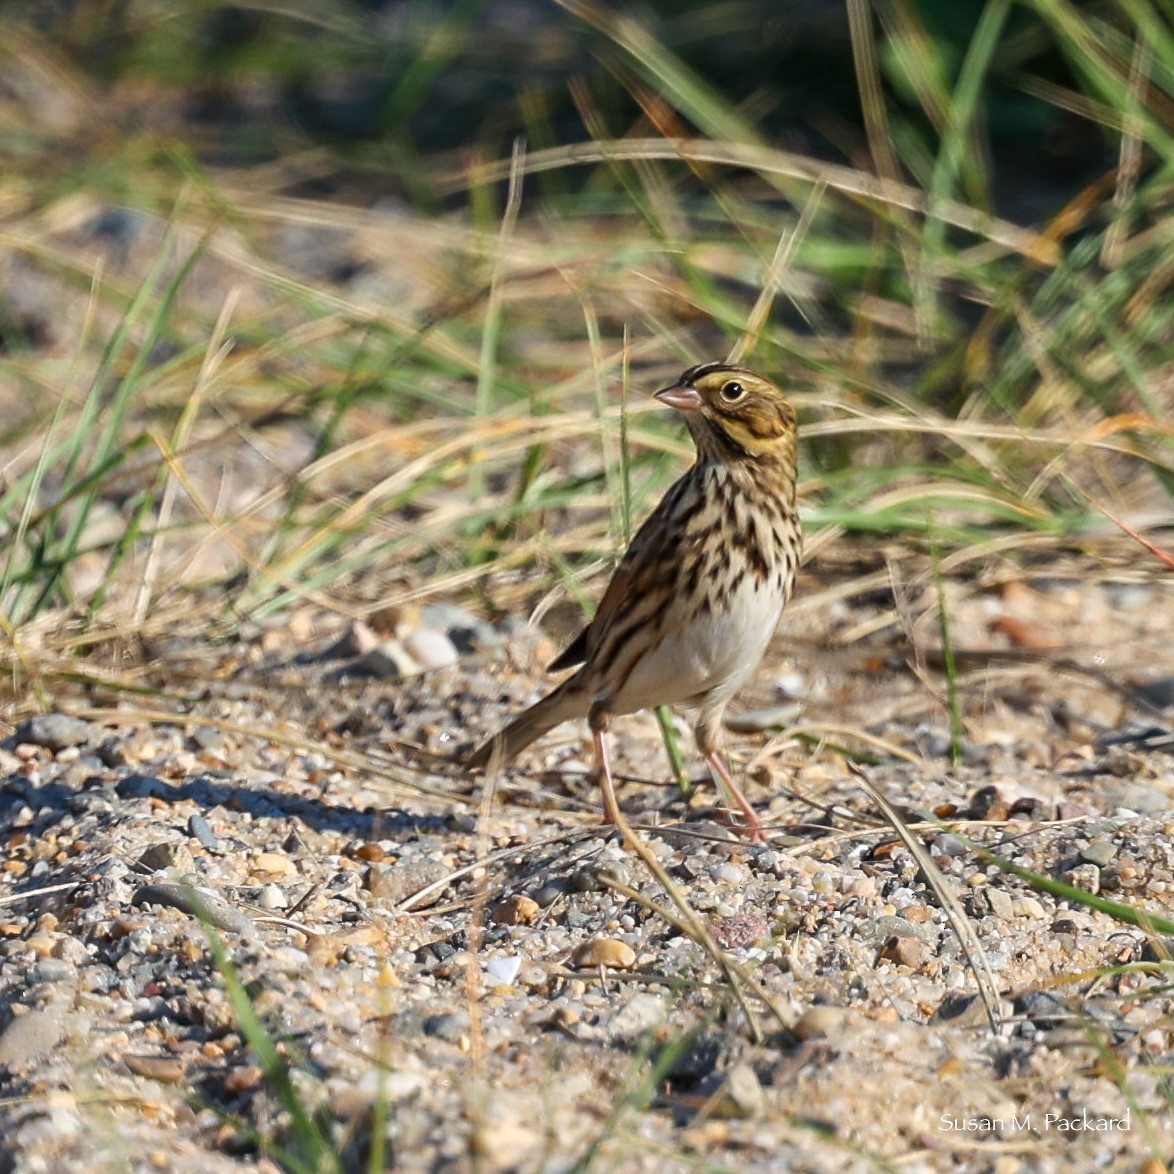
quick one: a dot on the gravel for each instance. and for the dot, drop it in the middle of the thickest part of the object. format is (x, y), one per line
(402, 937)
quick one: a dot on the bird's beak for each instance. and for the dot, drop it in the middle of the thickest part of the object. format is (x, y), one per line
(681, 397)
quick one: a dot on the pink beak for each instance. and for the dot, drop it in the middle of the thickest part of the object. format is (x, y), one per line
(684, 399)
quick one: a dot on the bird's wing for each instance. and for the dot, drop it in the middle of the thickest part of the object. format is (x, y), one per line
(574, 654)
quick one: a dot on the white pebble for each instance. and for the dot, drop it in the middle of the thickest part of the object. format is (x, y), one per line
(431, 649)
(503, 971)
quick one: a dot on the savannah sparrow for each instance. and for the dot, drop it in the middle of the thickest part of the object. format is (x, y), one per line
(692, 606)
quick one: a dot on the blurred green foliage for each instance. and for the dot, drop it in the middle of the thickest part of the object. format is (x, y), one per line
(384, 82)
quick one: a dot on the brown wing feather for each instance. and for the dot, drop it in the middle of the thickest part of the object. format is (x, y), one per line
(649, 550)
(574, 654)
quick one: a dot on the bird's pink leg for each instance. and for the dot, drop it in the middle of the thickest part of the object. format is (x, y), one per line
(610, 808)
(753, 824)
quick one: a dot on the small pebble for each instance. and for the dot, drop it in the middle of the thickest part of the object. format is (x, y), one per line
(272, 898)
(820, 1022)
(144, 787)
(1029, 907)
(451, 1027)
(165, 1069)
(516, 910)
(607, 952)
(392, 1088)
(1100, 853)
(272, 864)
(431, 649)
(164, 856)
(503, 971)
(739, 1095)
(1001, 902)
(740, 930)
(55, 731)
(32, 1034)
(245, 1078)
(53, 970)
(1086, 877)
(640, 1014)
(903, 951)
(200, 830)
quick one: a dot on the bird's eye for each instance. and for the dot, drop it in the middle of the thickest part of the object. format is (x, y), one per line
(732, 391)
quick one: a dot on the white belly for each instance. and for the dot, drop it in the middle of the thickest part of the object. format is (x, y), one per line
(708, 654)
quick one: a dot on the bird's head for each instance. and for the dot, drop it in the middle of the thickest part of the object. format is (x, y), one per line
(734, 413)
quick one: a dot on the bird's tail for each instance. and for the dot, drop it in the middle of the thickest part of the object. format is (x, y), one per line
(565, 703)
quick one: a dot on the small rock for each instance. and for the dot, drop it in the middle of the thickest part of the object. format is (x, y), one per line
(53, 970)
(607, 952)
(32, 1034)
(739, 1095)
(500, 1145)
(640, 1014)
(987, 804)
(1100, 853)
(740, 930)
(1022, 634)
(1086, 877)
(165, 1069)
(1140, 797)
(503, 971)
(244, 1078)
(451, 1026)
(585, 880)
(161, 857)
(877, 930)
(431, 649)
(1034, 808)
(1028, 907)
(1045, 1009)
(55, 731)
(272, 898)
(396, 882)
(373, 1087)
(272, 864)
(820, 1022)
(39, 1134)
(200, 830)
(1001, 903)
(730, 873)
(551, 892)
(144, 787)
(516, 910)
(903, 951)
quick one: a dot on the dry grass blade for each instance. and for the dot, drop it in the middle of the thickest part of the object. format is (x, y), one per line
(984, 978)
(34, 894)
(570, 836)
(1138, 537)
(771, 163)
(784, 254)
